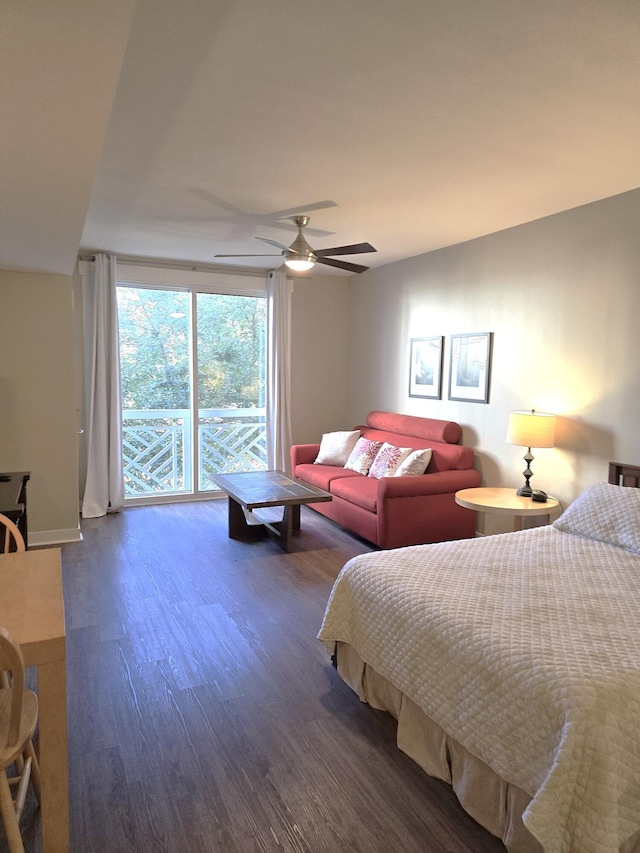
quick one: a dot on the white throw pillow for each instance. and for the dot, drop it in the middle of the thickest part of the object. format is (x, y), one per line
(388, 458)
(607, 513)
(362, 455)
(335, 447)
(415, 463)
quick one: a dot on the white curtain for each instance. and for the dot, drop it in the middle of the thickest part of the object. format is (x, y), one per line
(104, 484)
(278, 391)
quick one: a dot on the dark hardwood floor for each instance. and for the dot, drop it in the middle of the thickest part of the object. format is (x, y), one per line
(205, 716)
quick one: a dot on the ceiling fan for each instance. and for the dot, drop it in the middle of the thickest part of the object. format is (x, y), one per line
(243, 224)
(300, 257)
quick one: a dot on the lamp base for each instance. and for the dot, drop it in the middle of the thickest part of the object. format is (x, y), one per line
(526, 491)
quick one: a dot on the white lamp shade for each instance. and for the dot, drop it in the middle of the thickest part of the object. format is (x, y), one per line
(299, 264)
(531, 429)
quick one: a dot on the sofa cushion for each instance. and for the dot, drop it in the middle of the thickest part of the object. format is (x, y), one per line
(359, 490)
(362, 455)
(387, 461)
(425, 428)
(415, 463)
(335, 447)
(322, 476)
(444, 457)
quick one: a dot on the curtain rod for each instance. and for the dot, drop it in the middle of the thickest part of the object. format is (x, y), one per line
(137, 261)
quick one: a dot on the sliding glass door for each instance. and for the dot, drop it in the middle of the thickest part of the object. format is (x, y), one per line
(230, 356)
(192, 367)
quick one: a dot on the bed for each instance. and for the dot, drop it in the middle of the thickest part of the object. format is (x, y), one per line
(512, 665)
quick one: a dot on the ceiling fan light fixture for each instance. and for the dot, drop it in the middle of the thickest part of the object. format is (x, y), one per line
(299, 256)
(300, 263)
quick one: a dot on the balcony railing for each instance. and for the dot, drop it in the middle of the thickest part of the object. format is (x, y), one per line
(157, 448)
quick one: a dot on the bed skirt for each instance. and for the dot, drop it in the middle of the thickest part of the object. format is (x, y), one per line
(495, 804)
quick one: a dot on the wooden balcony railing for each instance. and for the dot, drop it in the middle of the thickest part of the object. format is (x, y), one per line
(157, 448)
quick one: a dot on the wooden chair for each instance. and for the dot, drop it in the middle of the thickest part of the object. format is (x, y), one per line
(10, 535)
(18, 718)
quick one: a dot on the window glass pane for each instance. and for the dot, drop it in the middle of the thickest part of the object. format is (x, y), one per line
(155, 369)
(231, 384)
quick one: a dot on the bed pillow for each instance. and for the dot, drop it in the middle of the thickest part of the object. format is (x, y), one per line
(362, 455)
(335, 447)
(388, 458)
(607, 513)
(415, 463)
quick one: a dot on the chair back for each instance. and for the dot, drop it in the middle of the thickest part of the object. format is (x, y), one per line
(10, 535)
(11, 660)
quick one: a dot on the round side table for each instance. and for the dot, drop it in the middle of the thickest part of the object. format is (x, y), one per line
(505, 502)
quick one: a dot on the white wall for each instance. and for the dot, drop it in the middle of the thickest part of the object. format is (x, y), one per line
(37, 399)
(319, 339)
(562, 298)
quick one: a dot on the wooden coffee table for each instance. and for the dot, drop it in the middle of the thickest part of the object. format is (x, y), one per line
(249, 490)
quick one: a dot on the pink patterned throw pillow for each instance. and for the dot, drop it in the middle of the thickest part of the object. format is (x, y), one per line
(388, 458)
(362, 455)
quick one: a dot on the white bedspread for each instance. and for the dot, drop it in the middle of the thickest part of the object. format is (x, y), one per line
(524, 647)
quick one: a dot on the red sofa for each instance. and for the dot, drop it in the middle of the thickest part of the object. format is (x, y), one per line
(396, 511)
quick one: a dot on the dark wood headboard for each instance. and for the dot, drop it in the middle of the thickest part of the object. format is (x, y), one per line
(624, 475)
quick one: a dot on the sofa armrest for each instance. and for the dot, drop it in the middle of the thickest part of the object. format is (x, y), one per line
(303, 454)
(437, 483)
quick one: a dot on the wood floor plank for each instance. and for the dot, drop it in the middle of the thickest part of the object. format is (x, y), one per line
(205, 716)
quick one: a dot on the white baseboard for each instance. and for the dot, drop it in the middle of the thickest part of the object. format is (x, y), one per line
(40, 538)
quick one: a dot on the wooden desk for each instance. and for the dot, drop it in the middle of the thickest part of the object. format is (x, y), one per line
(32, 610)
(505, 502)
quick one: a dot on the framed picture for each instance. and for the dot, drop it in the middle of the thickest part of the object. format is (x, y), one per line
(425, 367)
(469, 367)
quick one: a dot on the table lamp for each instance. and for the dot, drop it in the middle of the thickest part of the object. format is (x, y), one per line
(531, 429)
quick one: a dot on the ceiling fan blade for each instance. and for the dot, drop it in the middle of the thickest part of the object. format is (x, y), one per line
(342, 265)
(247, 256)
(211, 198)
(354, 249)
(292, 211)
(271, 242)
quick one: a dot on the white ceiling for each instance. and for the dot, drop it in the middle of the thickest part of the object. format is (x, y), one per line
(182, 128)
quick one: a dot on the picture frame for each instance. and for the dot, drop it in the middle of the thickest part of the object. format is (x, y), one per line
(470, 367)
(425, 367)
